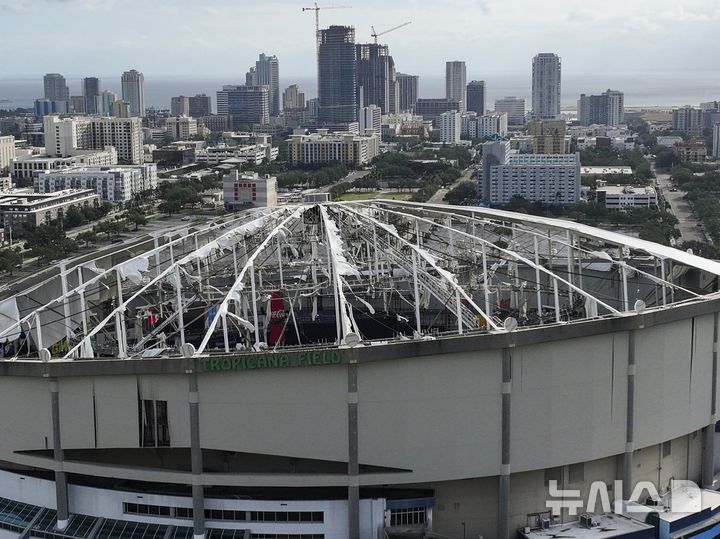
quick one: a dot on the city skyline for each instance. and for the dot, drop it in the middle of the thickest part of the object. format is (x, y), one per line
(619, 26)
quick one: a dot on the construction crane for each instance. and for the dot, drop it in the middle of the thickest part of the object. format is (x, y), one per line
(317, 9)
(375, 34)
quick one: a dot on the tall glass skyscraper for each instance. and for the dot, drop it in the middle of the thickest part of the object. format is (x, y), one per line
(546, 86)
(133, 91)
(376, 77)
(267, 74)
(91, 95)
(407, 90)
(337, 75)
(456, 83)
(476, 96)
(55, 87)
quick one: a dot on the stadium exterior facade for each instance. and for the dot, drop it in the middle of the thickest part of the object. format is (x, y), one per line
(458, 431)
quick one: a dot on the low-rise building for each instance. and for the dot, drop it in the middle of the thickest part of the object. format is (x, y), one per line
(626, 143)
(252, 153)
(486, 125)
(320, 147)
(25, 167)
(217, 122)
(22, 210)
(602, 171)
(181, 127)
(547, 178)
(515, 109)
(619, 197)
(404, 124)
(431, 108)
(114, 184)
(668, 141)
(694, 151)
(248, 189)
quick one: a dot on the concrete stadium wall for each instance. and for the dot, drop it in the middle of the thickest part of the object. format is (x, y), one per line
(438, 415)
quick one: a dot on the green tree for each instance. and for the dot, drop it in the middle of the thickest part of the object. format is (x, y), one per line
(463, 194)
(136, 218)
(170, 207)
(73, 217)
(49, 242)
(9, 259)
(89, 236)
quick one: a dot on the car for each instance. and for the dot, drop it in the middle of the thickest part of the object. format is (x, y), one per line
(186, 218)
(673, 190)
(117, 240)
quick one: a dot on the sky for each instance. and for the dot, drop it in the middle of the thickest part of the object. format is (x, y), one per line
(218, 38)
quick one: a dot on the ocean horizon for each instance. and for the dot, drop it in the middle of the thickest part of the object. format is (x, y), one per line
(651, 89)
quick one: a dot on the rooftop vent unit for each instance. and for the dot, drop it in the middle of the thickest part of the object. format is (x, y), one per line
(589, 521)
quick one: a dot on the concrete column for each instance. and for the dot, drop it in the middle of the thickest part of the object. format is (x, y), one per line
(630, 421)
(196, 463)
(353, 463)
(708, 455)
(61, 494)
(503, 530)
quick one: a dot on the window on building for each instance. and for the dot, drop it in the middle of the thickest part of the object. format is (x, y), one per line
(413, 516)
(154, 429)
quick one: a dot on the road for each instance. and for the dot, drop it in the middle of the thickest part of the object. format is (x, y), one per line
(354, 175)
(689, 226)
(437, 198)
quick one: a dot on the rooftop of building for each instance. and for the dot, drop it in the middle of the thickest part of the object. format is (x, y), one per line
(22, 198)
(477, 272)
(627, 190)
(606, 170)
(608, 526)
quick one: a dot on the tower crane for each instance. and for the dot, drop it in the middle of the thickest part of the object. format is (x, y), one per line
(375, 34)
(317, 9)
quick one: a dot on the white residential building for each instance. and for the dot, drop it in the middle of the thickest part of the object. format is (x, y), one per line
(548, 178)
(618, 197)
(619, 143)
(248, 189)
(181, 127)
(18, 211)
(246, 153)
(487, 125)
(450, 126)
(7, 152)
(322, 146)
(515, 108)
(64, 137)
(114, 184)
(546, 68)
(370, 117)
(26, 167)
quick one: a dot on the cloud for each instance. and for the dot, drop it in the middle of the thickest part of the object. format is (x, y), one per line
(21, 6)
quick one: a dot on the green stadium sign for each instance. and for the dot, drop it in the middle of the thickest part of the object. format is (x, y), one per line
(271, 361)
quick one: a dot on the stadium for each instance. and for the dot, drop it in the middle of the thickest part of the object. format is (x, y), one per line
(371, 369)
